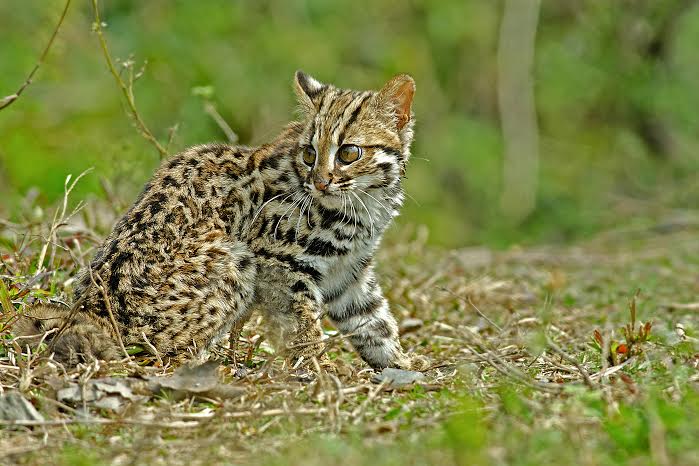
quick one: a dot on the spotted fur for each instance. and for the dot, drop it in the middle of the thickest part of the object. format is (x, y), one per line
(220, 231)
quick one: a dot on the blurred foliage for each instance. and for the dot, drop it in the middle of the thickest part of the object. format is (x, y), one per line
(615, 90)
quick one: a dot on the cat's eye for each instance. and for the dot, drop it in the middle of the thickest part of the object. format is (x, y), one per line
(309, 155)
(349, 153)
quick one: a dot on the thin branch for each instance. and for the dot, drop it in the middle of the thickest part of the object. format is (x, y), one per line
(152, 348)
(8, 100)
(585, 375)
(60, 220)
(470, 303)
(126, 89)
(108, 305)
(210, 109)
(99, 421)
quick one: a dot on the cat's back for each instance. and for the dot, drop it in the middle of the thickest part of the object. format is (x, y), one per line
(188, 188)
(193, 193)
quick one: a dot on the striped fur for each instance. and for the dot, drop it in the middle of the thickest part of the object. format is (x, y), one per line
(222, 231)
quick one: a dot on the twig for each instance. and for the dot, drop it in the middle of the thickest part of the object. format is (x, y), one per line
(572, 360)
(153, 349)
(108, 305)
(610, 370)
(509, 371)
(483, 315)
(211, 110)
(8, 100)
(470, 303)
(171, 132)
(63, 422)
(358, 413)
(127, 90)
(494, 360)
(60, 220)
(68, 320)
(681, 306)
(274, 412)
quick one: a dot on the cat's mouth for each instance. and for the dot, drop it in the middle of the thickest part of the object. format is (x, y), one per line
(328, 191)
(332, 196)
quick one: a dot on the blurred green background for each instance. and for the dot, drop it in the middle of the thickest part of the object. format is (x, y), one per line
(617, 99)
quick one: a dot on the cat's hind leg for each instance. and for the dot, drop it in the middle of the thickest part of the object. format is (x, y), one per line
(207, 292)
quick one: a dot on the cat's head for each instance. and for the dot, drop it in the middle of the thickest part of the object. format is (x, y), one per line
(353, 140)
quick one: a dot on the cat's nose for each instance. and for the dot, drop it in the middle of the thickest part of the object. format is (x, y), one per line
(321, 184)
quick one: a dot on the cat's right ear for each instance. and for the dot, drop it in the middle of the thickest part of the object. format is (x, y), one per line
(308, 90)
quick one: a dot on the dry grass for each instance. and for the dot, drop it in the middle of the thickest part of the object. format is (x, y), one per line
(510, 334)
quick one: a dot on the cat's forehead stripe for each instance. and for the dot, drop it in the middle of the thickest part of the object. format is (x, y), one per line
(361, 101)
(338, 113)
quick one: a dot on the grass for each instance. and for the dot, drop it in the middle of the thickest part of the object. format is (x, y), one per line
(585, 353)
(540, 357)
(603, 94)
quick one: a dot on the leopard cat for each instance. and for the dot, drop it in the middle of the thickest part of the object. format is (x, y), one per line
(288, 229)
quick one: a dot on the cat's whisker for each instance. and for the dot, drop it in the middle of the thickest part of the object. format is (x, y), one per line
(371, 220)
(344, 208)
(354, 215)
(413, 199)
(377, 201)
(267, 202)
(297, 203)
(290, 209)
(349, 211)
(308, 220)
(345, 218)
(298, 220)
(307, 201)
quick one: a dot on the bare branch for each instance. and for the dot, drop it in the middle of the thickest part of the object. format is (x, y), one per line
(8, 100)
(126, 89)
(99, 284)
(210, 109)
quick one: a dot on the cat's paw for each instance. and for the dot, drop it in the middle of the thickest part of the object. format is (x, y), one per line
(413, 362)
(302, 354)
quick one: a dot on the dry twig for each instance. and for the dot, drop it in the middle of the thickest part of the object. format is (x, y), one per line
(126, 89)
(10, 99)
(211, 110)
(60, 220)
(573, 361)
(108, 305)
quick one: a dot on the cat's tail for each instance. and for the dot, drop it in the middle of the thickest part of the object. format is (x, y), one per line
(72, 337)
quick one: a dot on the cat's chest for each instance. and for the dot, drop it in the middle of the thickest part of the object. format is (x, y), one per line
(338, 271)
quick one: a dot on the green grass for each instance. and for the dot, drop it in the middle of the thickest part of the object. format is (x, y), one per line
(504, 323)
(501, 393)
(600, 96)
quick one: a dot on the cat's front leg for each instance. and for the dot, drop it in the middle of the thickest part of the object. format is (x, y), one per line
(306, 340)
(292, 305)
(362, 312)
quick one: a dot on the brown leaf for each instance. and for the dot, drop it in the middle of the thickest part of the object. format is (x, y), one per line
(598, 337)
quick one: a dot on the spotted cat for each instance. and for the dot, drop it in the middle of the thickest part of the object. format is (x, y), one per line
(288, 229)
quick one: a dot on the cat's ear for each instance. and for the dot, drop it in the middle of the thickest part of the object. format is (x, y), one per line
(308, 89)
(398, 95)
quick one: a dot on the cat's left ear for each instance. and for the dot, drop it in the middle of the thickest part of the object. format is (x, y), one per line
(398, 94)
(308, 90)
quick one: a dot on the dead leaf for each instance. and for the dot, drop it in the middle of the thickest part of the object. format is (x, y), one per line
(14, 407)
(200, 380)
(398, 378)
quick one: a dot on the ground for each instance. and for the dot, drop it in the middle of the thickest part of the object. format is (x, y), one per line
(579, 354)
